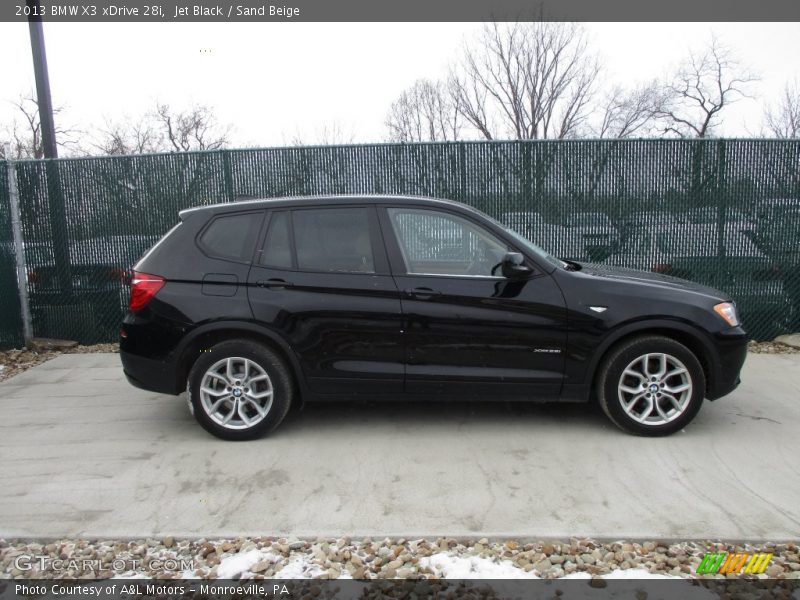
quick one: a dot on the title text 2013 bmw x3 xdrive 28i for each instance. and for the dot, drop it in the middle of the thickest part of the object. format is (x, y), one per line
(255, 305)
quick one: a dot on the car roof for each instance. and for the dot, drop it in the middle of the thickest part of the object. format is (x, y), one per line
(323, 200)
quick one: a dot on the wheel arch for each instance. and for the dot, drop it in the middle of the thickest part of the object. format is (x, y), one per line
(210, 334)
(684, 333)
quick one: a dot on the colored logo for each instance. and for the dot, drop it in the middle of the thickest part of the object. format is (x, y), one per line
(737, 562)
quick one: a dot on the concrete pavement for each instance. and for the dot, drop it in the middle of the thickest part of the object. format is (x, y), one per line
(85, 454)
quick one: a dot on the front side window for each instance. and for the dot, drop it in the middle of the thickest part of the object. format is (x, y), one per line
(438, 243)
(333, 239)
(231, 237)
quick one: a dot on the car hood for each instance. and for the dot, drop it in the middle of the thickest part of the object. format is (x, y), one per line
(623, 274)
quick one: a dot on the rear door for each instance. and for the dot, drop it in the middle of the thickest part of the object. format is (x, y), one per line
(321, 280)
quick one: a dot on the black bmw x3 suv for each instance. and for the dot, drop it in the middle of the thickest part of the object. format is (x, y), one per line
(256, 305)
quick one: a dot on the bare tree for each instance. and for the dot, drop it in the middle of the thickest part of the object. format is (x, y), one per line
(782, 120)
(705, 83)
(425, 112)
(162, 130)
(24, 136)
(129, 137)
(193, 129)
(332, 135)
(628, 113)
(527, 80)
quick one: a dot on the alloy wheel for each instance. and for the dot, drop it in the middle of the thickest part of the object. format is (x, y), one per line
(236, 393)
(655, 389)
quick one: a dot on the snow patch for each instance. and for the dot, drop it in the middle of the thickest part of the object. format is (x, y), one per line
(241, 562)
(472, 567)
(300, 567)
(450, 566)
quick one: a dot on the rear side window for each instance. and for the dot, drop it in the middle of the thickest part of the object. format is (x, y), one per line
(231, 237)
(333, 239)
(278, 245)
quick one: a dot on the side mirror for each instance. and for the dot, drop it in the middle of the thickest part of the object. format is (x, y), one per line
(512, 265)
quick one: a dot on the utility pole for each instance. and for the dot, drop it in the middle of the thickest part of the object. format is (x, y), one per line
(42, 80)
(58, 219)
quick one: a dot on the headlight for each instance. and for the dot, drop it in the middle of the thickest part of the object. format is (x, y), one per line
(727, 311)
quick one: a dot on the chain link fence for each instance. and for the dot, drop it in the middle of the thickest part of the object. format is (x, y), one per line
(725, 213)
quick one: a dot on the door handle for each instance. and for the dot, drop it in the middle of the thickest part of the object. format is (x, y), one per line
(273, 284)
(422, 293)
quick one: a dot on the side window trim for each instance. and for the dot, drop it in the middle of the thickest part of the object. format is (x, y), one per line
(392, 244)
(292, 243)
(259, 252)
(378, 239)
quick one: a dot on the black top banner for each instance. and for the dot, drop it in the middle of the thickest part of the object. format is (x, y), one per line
(171, 11)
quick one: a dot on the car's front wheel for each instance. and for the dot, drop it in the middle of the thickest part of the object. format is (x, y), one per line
(239, 390)
(651, 386)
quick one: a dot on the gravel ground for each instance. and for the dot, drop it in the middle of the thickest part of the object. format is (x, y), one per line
(346, 558)
(13, 362)
(771, 348)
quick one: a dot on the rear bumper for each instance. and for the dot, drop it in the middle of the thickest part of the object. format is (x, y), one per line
(147, 349)
(731, 351)
(148, 374)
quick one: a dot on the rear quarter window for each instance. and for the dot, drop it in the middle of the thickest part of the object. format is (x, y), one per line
(231, 237)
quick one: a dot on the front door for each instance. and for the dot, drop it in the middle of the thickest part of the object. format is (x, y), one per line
(321, 280)
(468, 330)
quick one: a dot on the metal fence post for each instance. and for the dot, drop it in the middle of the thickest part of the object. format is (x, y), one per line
(722, 205)
(228, 175)
(462, 181)
(19, 252)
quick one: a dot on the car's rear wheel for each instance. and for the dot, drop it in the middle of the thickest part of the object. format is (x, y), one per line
(239, 390)
(651, 385)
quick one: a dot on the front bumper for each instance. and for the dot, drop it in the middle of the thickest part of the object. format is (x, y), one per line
(731, 351)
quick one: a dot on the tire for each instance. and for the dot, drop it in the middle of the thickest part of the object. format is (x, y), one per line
(257, 380)
(651, 410)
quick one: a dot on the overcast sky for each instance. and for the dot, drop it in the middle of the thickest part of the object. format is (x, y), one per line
(277, 81)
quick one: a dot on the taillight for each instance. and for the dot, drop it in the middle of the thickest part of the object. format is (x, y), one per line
(661, 268)
(143, 287)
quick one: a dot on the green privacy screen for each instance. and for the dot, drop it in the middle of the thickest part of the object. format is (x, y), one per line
(10, 318)
(725, 213)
